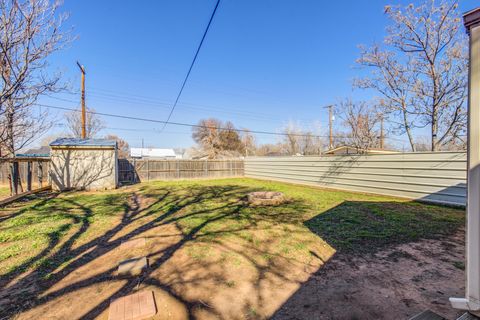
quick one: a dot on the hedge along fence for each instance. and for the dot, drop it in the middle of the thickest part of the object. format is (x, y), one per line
(436, 177)
(137, 170)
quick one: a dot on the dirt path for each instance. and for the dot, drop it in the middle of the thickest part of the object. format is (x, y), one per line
(393, 284)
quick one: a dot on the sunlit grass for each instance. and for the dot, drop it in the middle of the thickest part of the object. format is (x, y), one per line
(215, 212)
(4, 192)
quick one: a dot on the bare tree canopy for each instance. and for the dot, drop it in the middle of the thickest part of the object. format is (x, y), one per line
(122, 145)
(362, 121)
(249, 143)
(421, 71)
(30, 31)
(298, 141)
(94, 124)
(217, 138)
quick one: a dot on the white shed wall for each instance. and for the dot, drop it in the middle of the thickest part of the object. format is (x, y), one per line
(82, 168)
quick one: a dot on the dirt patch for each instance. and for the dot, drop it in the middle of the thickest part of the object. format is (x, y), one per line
(225, 281)
(213, 256)
(395, 283)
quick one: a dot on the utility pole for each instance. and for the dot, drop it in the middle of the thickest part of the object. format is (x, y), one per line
(84, 117)
(381, 132)
(330, 125)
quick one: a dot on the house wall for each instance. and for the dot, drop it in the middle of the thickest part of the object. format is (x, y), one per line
(80, 168)
(435, 177)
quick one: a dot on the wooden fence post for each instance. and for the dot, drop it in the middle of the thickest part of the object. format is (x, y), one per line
(29, 176)
(178, 169)
(206, 168)
(14, 177)
(40, 174)
(134, 169)
(148, 170)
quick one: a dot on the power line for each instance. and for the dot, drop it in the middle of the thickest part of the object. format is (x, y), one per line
(194, 125)
(183, 124)
(150, 102)
(191, 65)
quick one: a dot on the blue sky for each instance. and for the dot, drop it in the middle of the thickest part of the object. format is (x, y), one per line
(263, 63)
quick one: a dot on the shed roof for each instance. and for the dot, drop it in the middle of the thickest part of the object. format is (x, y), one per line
(77, 142)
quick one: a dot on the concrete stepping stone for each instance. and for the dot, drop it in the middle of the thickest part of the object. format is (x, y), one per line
(133, 243)
(132, 267)
(137, 306)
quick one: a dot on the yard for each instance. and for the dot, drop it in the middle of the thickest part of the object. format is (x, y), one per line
(323, 254)
(4, 192)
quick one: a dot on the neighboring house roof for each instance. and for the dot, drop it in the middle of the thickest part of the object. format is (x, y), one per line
(32, 155)
(354, 150)
(42, 152)
(152, 152)
(77, 142)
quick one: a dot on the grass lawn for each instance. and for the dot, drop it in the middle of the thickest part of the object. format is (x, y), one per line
(4, 192)
(206, 246)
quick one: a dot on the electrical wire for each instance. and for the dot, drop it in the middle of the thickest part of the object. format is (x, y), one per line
(149, 102)
(184, 124)
(191, 66)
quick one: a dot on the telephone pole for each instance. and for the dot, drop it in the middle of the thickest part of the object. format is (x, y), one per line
(84, 117)
(330, 125)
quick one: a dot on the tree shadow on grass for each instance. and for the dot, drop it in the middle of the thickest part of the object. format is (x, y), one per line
(366, 227)
(203, 217)
(62, 256)
(367, 280)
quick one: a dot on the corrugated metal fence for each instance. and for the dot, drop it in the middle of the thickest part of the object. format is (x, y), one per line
(134, 170)
(437, 177)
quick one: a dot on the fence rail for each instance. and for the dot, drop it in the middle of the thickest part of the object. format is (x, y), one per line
(135, 170)
(436, 177)
(31, 173)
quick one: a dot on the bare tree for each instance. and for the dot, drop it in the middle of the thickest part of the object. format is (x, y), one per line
(217, 139)
(421, 71)
(94, 124)
(291, 141)
(249, 143)
(269, 149)
(298, 141)
(122, 145)
(362, 121)
(30, 31)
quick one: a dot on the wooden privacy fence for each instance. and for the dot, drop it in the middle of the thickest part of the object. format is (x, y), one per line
(28, 173)
(137, 170)
(436, 177)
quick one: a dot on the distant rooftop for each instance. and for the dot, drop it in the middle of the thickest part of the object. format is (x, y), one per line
(152, 153)
(78, 142)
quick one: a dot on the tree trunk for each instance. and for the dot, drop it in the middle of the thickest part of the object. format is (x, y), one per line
(434, 132)
(408, 131)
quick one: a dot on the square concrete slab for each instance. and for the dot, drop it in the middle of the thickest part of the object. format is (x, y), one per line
(137, 306)
(133, 243)
(133, 266)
